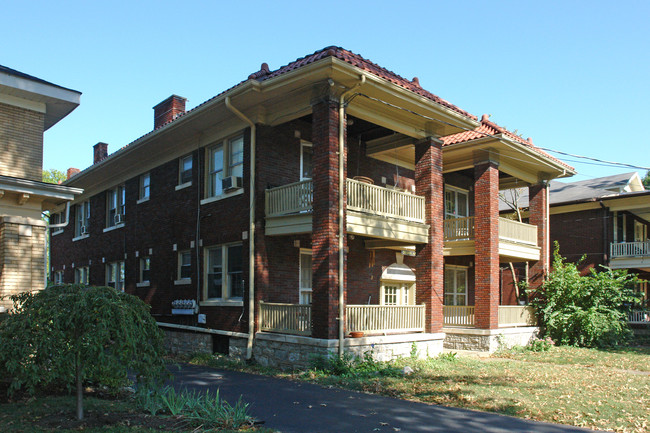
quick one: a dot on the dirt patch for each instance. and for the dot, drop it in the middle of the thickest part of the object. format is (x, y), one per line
(93, 419)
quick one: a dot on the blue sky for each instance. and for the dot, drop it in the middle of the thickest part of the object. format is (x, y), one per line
(573, 75)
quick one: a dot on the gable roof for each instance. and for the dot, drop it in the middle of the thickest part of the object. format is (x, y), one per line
(615, 181)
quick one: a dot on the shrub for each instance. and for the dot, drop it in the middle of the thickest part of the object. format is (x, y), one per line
(587, 311)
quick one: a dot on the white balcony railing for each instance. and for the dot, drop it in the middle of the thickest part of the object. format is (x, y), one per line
(285, 318)
(639, 317)
(458, 315)
(362, 197)
(509, 315)
(463, 229)
(629, 249)
(384, 318)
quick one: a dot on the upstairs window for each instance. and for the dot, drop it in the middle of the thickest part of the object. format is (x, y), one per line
(115, 206)
(225, 160)
(145, 187)
(185, 170)
(81, 220)
(306, 154)
(456, 203)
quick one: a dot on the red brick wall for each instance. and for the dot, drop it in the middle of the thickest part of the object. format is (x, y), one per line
(486, 189)
(538, 216)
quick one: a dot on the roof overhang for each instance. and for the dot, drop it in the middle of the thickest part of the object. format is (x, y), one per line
(49, 195)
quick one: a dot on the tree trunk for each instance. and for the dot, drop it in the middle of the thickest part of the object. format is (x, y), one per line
(80, 402)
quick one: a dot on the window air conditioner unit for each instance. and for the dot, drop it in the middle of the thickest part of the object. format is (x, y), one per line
(119, 218)
(230, 183)
(84, 230)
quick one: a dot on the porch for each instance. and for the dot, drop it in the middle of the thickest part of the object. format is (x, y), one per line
(630, 255)
(373, 211)
(509, 316)
(517, 241)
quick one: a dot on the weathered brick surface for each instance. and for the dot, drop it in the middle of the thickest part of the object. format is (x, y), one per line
(430, 264)
(21, 142)
(486, 223)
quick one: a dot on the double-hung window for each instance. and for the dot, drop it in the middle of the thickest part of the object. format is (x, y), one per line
(305, 277)
(184, 265)
(115, 275)
(57, 278)
(115, 206)
(82, 218)
(185, 170)
(145, 187)
(225, 159)
(81, 275)
(455, 285)
(145, 269)
(224, 273)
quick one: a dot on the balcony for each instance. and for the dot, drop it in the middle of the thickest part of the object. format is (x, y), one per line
(372, 211)
(509, 316)
(517, 241)
(369, 319)
(630, 255)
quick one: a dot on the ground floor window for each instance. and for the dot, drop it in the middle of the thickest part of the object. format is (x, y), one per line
(184, 265)
(145, 269)
(81, 275)
(115, 275)
(455, 285)
(57, 278)
(397, 293)
(305, 277)
(224, 272)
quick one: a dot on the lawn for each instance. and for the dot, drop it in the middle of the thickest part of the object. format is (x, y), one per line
(598, 389)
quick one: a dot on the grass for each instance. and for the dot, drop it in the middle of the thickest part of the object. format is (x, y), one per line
(598, 389)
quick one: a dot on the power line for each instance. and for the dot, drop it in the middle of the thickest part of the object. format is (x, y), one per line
(622, 164)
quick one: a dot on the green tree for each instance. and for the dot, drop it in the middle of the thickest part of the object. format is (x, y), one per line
(646, 180)
(53, 176)
(71, 335)
(587, 311)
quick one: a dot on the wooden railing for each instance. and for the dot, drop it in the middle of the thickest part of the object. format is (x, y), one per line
(629, 249)
(385, 318)
(292, 198)
(382, 201)
(516, 315)
(458, 315)
(285, 318)
(639, 317)
(463, 229)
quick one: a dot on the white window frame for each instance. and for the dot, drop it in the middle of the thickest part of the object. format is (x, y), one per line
(457, 192)
(305, 287)
(144, 188)
(403, 292)
(452, 289)
(82, 217)
(179, 268)
(57, 277)
(182, 171)
(117, 279)
(226, 295)
(81, 275)
(145, 266)
(303, 145)
(115, 201)
(229, 167)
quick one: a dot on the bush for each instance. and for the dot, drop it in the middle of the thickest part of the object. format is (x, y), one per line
(71, 336)
(586, 311)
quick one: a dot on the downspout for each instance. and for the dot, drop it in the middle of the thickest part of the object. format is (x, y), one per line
(251, 233)
(49, 234)
(362, 79)
(67, 218)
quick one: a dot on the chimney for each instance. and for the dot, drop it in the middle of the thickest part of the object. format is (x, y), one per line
(168, 110)
(72, 172)
(100, 151)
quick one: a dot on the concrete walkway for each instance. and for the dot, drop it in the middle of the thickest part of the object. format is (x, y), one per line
(290, 407)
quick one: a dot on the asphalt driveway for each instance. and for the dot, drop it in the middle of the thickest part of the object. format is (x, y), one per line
(290, 407)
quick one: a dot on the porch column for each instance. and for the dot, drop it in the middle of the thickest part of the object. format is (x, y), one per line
(486, 229)
(538, 216)
(430, 262)
(325, 283)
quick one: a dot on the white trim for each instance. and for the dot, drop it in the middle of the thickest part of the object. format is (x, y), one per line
(115, 227)
(222, 196)
(222, 303)
(304, 143)
(57, 232)
(142, 200)
(183, 185)
(455, 293)
(183, 282)
(205, 330)
(143, 284)
(78, 238)
(39, 107)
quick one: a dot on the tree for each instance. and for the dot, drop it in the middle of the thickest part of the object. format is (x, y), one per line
(587, 311)
(646, 180)
(71, 335)
(54, 176)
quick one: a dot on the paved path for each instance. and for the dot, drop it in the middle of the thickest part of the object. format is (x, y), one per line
(290, 407)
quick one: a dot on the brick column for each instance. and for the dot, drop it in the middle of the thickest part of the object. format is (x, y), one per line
(325, 283)
(486, 229)
(430, 262)
(538, 215)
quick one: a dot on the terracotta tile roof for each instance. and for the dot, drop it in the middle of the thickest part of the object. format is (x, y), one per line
(488, 128)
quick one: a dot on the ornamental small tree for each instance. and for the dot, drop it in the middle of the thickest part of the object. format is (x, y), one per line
(587, 311)
(72, 335)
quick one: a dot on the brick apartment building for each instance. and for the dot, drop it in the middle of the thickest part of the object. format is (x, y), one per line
(329, 198)
(28, 107)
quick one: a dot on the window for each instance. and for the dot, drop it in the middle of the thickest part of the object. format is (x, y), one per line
(115, 275)
(456, 204)
(145, 187)
(184, 265)
(81, 275)
(224, 273)
(82, 218)
(305, 282)
(145, 269)
(306, 154)
(185, 170)
(455, 285)
(397, 293)
(57, 278)
(225, 159)
(116, 199)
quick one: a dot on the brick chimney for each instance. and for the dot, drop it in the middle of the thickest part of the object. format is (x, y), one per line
(168, 110)
(72, 172)
(100, 151)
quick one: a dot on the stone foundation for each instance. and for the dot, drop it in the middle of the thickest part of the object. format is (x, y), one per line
(487, 340)
(187, 342)
(290, 351)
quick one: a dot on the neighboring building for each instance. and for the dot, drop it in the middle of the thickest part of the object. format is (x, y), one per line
(605, 220)
(28, 107)
(310, 202)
